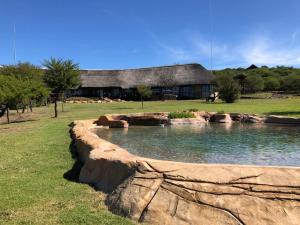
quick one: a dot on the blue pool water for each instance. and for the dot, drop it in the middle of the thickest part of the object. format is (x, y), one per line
(213, 143)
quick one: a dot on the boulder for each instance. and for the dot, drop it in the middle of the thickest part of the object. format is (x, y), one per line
(254, 119)
(238, 117)
(282, 120)
(202, 115)
(112, 122)
(221, 118)
(146, 120)
(195, 121)
(178, 193)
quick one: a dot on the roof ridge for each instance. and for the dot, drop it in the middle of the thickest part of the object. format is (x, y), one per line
(141, 68)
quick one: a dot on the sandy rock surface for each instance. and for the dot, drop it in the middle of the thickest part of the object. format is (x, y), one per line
(163, 192)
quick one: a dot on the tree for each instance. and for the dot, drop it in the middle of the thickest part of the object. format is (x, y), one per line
(144, 92)
(254, 83)
(228, 88)
(60, 75)
(10, 91)
(271, 83)
(291, 83)
(241, 78)
(30, 82)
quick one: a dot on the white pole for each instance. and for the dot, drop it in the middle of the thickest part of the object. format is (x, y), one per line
(14, 45)
(211, 35)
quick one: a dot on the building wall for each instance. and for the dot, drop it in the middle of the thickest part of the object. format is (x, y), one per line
(199, 91)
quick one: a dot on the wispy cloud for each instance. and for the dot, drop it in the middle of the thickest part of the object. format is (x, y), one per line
(264, 50)
(255, 49)
(175, 53)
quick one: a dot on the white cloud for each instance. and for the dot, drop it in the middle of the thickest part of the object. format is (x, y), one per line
(295, 35)
(263, 50)
(256, 49)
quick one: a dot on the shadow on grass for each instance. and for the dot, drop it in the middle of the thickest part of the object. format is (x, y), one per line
(73, 173)
(17, 121)
(23, 121)
(286, 113)
(212, 103)
(120, 108)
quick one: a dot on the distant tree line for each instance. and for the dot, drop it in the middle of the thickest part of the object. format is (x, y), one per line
(24, 85)
(255, 79)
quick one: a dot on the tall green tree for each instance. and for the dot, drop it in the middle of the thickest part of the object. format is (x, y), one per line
(30, 77)
(21, 84)
(60, 76)
(241, 78)
(144, 92)
(272, 83)
(254, 83)
(291, 83)
(10, 91)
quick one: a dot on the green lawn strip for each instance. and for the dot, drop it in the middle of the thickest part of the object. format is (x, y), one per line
(32, 187)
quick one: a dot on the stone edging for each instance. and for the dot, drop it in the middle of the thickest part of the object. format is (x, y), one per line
(154, 191)
(123, 121)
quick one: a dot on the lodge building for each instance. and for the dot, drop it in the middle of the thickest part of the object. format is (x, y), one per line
(187, 81)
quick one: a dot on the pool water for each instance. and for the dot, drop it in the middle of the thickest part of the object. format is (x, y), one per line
(213, 143)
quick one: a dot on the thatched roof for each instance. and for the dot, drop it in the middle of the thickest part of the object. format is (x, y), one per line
(187, 74)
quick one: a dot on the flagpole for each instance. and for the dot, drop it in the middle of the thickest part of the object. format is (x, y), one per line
(211, 35)
(14, 45)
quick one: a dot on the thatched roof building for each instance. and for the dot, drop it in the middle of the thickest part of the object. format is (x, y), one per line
(187, 74)
(119, 83)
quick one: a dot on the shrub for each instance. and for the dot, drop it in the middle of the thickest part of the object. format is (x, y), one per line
(271, 83)
(254, 83)
(193, 110)
(291, 83)
(229, 89)
(177, 115)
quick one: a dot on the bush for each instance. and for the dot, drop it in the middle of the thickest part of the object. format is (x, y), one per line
(193, 110)
(254, 83)
(228, 88)
(271, 83)
(177, 115)
(291, 83)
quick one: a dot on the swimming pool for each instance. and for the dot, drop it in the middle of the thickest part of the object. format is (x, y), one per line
(212, 143)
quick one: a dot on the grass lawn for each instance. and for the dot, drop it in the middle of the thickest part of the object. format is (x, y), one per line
(34, 156)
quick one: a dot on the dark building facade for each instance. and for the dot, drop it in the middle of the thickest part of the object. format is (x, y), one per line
(188, 81)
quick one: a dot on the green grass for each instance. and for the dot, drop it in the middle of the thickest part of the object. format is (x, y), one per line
(179, 115)
(34, 156)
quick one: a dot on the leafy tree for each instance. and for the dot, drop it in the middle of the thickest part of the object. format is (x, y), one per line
(228, 88)
(31, 85)
(259, 77)
(10, 90)
(254, 83)
(241, 78)
(144, 92)
(60, 75)
(291, 83)
(271, 83)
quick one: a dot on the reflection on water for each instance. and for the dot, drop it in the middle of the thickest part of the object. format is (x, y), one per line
(213, 143)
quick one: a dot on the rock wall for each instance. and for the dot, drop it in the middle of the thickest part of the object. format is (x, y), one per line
(163, 192)
(154, 119)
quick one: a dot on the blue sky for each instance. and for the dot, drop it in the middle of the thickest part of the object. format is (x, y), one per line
(140, 33)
